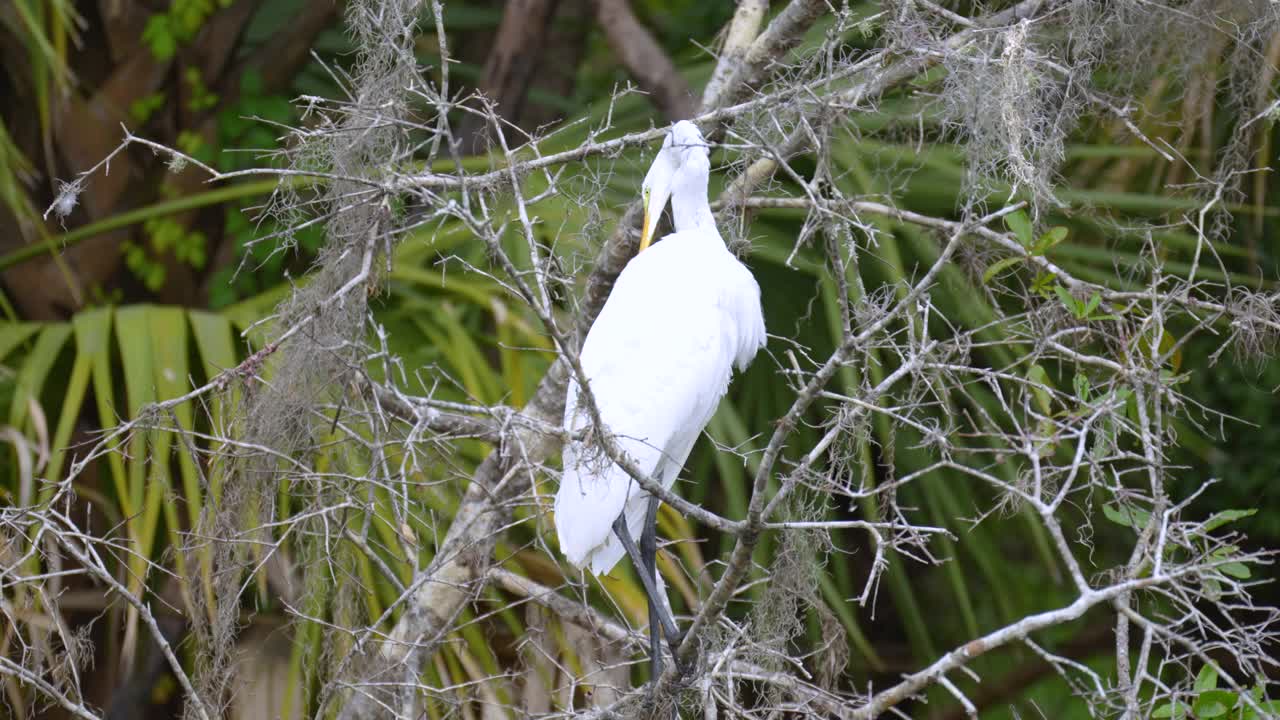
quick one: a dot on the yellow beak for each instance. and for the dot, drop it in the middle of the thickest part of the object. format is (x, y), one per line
(646, 233)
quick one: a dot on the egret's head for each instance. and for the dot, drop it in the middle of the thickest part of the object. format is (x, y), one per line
(657, 189)
(687, 140)
(683, 145)
(693, 158)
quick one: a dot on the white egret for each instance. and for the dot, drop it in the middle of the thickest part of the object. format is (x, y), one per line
(658, 359)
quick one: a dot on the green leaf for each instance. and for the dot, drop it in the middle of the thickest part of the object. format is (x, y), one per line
(1172, 710)
(158, 36)
(1237, 570)
(1092, 304)
(1271, 708)
(1069, 300)
(1227, 516)
(14, 334)
(1048, 240)
(133, 330)
(1206, 680)
(1041, 284)
(216, 347)
(93, 338)
(143, 108)
(1129, 517)
(1037, 375)
(1018, 223)
(168, 331)
(1214, 703)
(1081, 385)
(997, 267)
(1212, 588)
(35, 370)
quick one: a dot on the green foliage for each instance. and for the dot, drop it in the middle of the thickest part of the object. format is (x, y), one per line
(164, 236)
(15, 168)
(1225, 517)
(147, 347)
(1082, 309)
(1137, 520)
(466, 326)
(1207, 702)
(191, 143)
(252, 123)
(1044, 284)
(1129, 517)
(199, 97)
(168, 30)
(147, 269)
(1020, 225)
(160, 36)
(141, 110)
(1243, 454)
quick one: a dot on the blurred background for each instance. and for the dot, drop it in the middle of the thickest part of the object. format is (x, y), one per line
(145, 286)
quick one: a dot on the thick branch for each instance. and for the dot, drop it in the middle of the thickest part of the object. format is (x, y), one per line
(782, 35)
(644, 59)
(508, 71)
(742, 31)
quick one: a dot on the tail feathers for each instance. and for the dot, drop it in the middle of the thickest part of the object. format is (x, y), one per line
(586, 505)
(607, 555)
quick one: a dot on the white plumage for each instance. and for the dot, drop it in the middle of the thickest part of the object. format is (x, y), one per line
(658, 358)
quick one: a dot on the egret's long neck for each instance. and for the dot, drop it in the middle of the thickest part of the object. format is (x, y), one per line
(689, 207)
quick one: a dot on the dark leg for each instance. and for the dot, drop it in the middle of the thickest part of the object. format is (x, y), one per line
(649, 553)
(646, 579)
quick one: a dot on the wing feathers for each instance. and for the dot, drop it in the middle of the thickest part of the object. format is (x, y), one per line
(659, 358)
